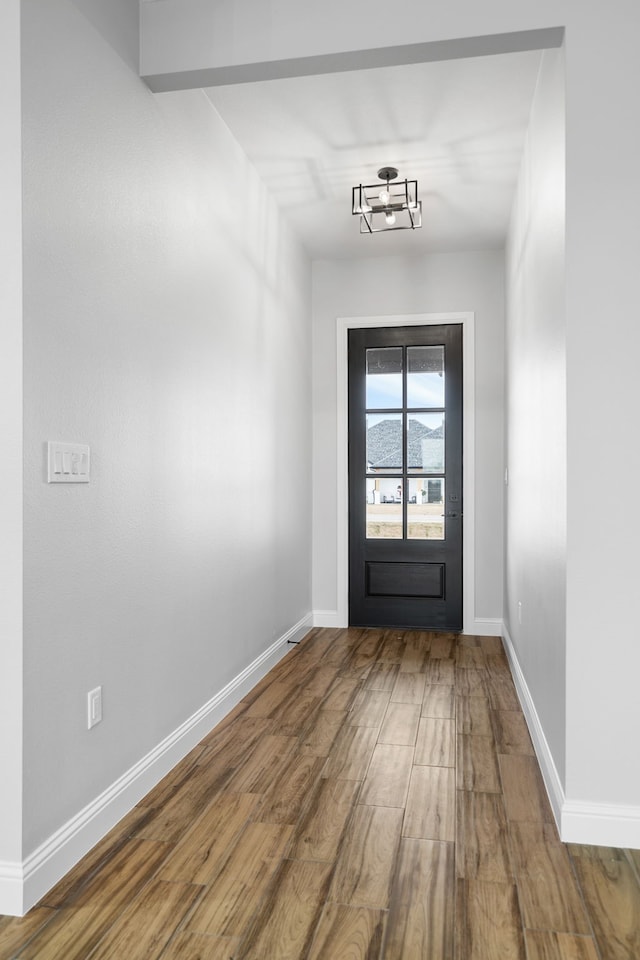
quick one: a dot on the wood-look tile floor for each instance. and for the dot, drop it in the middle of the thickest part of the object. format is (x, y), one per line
(375, 797)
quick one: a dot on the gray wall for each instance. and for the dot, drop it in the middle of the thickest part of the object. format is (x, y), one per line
(11, 436)
(536, 525)
(167, 324)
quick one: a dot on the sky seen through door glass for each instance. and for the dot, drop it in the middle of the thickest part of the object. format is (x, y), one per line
(384, 391)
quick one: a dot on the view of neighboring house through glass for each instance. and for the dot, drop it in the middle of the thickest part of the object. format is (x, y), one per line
(405, 443)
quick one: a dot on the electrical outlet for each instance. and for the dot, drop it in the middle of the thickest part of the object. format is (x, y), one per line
(94, 707)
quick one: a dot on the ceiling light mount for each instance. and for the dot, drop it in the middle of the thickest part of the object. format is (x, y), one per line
(388, 173)
(394, 207)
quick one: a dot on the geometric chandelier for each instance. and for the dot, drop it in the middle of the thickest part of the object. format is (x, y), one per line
(387, 206)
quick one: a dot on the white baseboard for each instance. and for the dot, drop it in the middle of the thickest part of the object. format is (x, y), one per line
(328, 618)
(484, 627)
(602, 824)
(479, 626)
(11, 900)
(550, 776)
(23, 884)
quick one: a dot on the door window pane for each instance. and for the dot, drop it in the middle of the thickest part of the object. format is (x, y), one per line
(384, 442)
(425, 509)
(384, 508)
(425, 442)
(384, 378)
(425, 377)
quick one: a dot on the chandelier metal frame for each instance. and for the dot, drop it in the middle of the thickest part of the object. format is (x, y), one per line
(391, 206)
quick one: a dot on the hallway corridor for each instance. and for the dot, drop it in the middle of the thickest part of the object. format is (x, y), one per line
(375, 797)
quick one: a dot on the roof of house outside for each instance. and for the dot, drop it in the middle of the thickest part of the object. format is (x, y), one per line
(425, 447)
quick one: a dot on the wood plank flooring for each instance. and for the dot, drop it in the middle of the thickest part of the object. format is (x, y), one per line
(375, 797)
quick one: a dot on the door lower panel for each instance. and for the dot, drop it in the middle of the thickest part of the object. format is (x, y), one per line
(405, 580)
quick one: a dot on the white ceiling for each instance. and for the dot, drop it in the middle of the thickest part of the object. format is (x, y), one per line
(457, 126)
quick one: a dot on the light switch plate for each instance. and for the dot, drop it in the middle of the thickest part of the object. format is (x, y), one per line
(68, 462)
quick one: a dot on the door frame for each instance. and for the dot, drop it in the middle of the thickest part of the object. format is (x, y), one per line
(344, 324)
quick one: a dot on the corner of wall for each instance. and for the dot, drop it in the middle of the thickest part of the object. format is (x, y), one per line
(547, 764)
(11, 432)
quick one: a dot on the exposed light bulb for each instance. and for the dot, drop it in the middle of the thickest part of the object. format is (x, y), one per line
(384, 197)
(390, 217)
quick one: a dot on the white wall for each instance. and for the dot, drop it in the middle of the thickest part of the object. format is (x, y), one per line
(250, 39)
(118, 23)
(536, 528)
(439, 283)
(603, 397)
(11, 436)
(167, 324)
